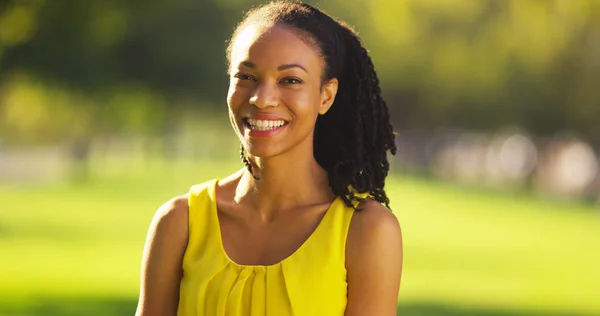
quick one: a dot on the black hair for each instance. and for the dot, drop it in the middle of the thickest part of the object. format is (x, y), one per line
(352, 139)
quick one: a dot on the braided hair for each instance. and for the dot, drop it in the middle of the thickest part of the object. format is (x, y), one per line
(352, 139)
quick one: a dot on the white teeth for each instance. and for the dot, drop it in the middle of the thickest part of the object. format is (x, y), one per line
(264, 125)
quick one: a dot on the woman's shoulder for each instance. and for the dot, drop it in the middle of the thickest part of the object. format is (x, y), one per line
(372, 219)
(373, 258)
(171, 217)
(374, 231)
(173, 214)
(174, 207)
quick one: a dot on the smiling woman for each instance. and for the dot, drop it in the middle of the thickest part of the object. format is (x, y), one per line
(272, 66)
(304, 228)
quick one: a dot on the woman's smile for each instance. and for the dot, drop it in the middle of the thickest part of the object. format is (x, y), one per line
(264, 125)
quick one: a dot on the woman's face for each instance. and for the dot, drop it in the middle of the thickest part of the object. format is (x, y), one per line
(275, 92)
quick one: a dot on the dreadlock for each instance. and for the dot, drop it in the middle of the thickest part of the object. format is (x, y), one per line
(352, 139)
(247, 162)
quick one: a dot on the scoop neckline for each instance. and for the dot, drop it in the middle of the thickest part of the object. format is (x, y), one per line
(215, 212)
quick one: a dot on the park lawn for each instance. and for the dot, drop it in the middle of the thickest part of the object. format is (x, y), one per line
(75, 249)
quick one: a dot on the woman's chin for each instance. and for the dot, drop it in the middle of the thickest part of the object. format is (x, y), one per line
(262, 153)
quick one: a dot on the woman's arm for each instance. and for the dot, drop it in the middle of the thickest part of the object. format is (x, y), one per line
(162, 259)
(373, 261)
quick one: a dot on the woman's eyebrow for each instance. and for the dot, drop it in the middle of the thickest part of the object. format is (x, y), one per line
(250, 64)
(288, 66)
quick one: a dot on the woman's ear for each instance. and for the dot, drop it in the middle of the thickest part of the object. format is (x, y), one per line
(328, 93)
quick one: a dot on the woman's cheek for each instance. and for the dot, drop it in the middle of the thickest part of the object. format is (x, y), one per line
(234, 95)
(299, 100)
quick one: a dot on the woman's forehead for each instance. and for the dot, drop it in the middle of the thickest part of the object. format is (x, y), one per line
(273, 45)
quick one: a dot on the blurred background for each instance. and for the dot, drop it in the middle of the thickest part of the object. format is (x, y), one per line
(109, 108)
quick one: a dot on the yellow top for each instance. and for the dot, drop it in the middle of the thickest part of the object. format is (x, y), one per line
(311, 281)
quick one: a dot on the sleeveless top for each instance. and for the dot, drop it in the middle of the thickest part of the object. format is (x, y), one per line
(311, 281)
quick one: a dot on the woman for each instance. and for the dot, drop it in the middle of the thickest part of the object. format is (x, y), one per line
(301, 230)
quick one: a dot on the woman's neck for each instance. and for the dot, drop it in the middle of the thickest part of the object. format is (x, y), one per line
(285, 182)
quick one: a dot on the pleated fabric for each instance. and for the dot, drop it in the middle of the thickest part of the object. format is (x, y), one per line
(311, 281)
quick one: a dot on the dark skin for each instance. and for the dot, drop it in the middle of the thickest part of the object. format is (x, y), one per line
(263, 222)
(250, 239)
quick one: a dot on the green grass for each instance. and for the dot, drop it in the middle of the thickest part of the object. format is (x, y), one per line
(75, 249)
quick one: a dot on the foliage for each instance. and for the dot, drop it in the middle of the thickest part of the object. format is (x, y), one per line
(463, 63)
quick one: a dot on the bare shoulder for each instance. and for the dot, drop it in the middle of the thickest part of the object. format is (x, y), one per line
(373, 221)
(373, 261)
(374, 231)
(170, 221)
(169, 227)
(162, 259)
(174, 211)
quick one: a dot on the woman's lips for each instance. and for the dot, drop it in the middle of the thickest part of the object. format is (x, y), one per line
(264, 125)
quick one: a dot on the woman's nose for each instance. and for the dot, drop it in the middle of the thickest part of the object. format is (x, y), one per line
(265, 95)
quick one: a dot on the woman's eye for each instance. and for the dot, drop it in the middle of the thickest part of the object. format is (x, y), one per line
(243, 77)
(291, 80)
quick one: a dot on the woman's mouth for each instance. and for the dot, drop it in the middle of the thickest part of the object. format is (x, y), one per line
(264, 128)
(263, 125)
